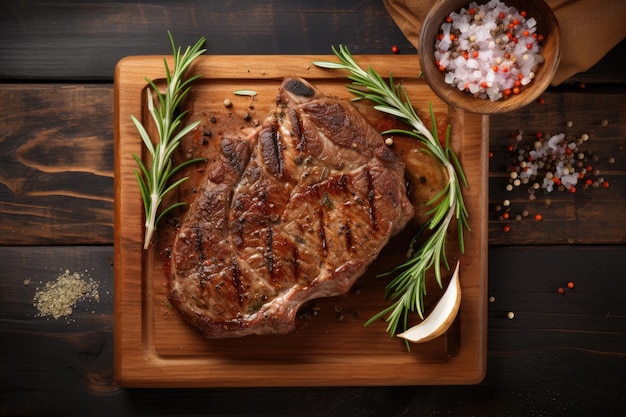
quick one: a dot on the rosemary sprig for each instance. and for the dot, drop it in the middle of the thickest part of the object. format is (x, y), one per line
(154, 179)
(408, 287)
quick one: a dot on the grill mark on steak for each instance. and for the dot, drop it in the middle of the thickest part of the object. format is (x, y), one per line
(322, 232)
(238, 229)
(345, 229)
(197, 240)
(236, 156)
(371, 195)
(293, 212)
(296, 124)
(236, 280)
(296, 263)
(272, 151)
(269, 251)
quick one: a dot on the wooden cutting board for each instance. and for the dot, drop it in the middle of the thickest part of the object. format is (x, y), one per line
(331, 346)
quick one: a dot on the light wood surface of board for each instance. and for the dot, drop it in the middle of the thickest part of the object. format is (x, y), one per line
(155, 348)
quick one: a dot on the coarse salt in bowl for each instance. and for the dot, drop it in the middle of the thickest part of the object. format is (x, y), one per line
(489, 56)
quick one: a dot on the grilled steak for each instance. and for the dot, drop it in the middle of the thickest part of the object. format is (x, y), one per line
(293, 212)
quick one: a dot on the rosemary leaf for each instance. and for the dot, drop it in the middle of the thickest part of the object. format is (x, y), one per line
(154, 179)
(407, 289)
(250, 93)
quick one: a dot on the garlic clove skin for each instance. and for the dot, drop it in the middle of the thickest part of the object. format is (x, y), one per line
(442, 316)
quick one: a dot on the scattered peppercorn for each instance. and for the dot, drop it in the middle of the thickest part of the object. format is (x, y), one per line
(550, 162)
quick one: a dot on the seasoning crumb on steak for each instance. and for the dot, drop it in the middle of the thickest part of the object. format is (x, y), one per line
(295, 211)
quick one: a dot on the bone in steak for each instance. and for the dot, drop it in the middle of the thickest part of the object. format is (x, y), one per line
(293, 212)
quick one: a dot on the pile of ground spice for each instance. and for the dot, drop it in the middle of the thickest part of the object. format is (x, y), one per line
(59, 298)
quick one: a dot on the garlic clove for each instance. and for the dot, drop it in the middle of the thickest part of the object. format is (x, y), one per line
(442, 316)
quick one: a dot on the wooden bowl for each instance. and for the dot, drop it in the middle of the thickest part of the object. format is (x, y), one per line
(547, 25)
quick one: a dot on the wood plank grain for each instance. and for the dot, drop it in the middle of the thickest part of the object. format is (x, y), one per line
(525, 280)
(588, 215)
(565, 353)
(149, 337)
(559, 356)
(56, 164)
(92, 36)
(53, 360)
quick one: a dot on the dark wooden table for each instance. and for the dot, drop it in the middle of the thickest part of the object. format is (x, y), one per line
(561, 354)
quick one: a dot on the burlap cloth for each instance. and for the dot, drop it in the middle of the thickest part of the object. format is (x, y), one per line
(589, 28)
